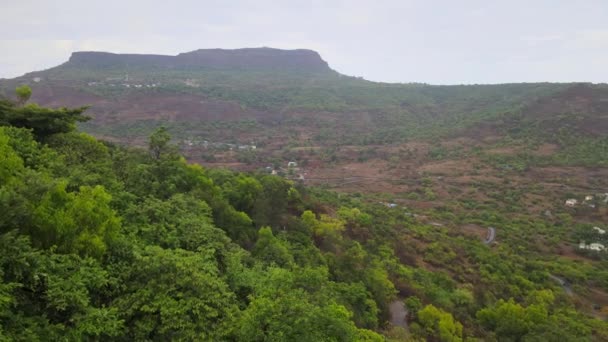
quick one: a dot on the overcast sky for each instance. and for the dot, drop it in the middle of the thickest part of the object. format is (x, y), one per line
(438, 42)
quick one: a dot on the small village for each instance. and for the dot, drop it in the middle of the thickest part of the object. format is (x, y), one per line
(223, 146)
(596, 238)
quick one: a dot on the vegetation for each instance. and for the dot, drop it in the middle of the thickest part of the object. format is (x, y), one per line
(103, 242)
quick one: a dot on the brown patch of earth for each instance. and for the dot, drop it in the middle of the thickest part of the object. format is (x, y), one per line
(545, 150)
(474, 230)
(504, 150)
(568, 251)
(449, 167)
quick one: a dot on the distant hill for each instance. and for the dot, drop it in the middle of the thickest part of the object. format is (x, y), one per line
(243, 59)
(209, 92)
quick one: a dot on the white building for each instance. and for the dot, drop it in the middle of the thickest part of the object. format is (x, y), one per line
(598, 247)
(292, 164)
(589, 198)
(571, 202)
(600, 230)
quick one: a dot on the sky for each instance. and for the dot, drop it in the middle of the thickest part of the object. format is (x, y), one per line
(430, 41)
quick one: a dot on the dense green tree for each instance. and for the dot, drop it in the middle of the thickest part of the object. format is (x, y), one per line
(44, 122)
(413, 305)
(507, 319)
(270, 250)
(359, 301)
(24, 93)
(243, 192)
(75, 222)
(440, 324)
(47, 296)
(159, 142)
(179, 222)
(87, 161)
(272, 203)
(177, 295)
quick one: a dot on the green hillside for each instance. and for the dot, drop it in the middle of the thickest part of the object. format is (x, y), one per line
(104, 242)
(290, 91)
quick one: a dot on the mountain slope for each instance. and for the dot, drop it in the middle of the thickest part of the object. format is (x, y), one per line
(471, 206)
(268, 86)
(266, 89)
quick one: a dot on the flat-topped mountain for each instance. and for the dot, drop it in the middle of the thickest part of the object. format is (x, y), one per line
(208, 92)
(249, 58)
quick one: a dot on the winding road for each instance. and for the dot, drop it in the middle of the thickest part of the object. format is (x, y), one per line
(563, 283)
(398, 313)
(491, 235)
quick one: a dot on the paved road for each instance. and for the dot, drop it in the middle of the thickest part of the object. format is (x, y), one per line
(491, 235)
(398, 313)
(563, 283)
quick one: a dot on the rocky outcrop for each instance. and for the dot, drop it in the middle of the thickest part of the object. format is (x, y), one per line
(244, 59)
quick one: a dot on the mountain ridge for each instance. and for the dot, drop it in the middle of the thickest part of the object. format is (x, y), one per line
(246, 58)
(130, 94)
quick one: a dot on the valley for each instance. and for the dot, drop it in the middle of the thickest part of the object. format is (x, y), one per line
(448, 202)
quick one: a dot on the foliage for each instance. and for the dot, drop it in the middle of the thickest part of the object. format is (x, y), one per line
(23, 93)
(439, 324)
(102, 242)
(43, 121)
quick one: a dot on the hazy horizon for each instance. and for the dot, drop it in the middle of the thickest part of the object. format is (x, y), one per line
(435, 42)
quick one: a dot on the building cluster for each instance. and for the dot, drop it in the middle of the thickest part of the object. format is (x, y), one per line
(595, 246)
(589, 201)
(190, 143)
(292, 171)
(124, 85)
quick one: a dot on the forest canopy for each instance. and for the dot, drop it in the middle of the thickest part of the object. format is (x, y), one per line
(104, 242)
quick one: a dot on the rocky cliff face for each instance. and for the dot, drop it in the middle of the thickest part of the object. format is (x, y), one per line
(252, 58)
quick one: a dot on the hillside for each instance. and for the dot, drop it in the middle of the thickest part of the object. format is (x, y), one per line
(129, 95)
(362, 211)
(243, 59)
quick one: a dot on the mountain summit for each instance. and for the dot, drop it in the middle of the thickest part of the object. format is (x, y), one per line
(248, 58)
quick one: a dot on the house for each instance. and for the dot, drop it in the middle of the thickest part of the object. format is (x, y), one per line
(292, 164)
(589, 198)
(600, 230)
(36, 79)
(596, 246)
(571, 202)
